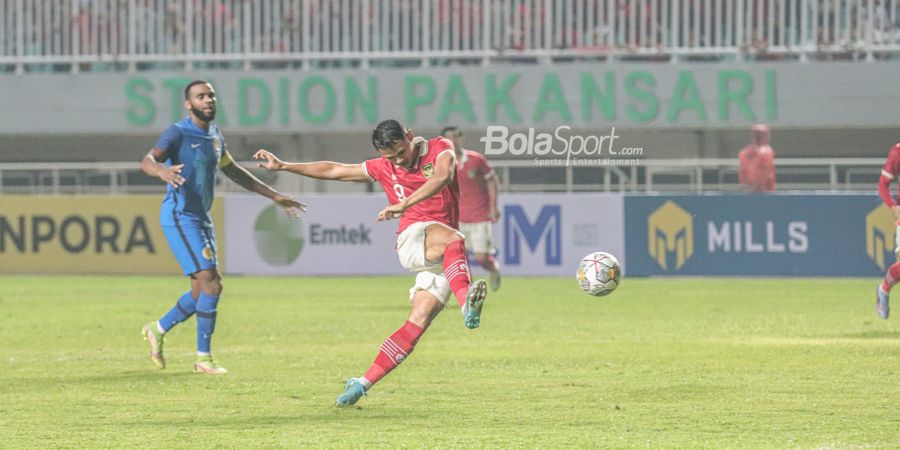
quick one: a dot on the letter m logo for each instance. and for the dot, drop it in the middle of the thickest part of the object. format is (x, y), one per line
(547, 228)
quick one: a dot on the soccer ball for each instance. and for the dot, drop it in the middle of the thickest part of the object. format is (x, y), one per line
(599, 274)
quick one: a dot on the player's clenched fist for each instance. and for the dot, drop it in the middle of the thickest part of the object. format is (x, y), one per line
(391, 212)
(271, 161)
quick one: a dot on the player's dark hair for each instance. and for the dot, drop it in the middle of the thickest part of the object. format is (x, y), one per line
(387, 133)
(187, 90)
(449, 129)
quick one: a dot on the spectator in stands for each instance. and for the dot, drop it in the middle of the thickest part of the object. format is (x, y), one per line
(757, 162)
(175, 28)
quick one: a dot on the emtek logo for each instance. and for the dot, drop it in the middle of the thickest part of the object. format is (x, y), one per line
(879, 231)
(547, 228)
(670, 229)
(280, 239)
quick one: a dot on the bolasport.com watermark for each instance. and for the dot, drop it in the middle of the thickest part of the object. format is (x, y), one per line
(562, 147)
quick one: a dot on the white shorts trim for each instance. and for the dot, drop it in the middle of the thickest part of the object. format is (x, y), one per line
(411, 252)
(411, 248)
(479, 237)
(433, 283)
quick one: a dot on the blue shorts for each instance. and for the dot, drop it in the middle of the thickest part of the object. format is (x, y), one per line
(193, 245)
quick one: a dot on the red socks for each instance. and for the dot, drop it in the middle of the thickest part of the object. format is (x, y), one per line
(456, 269)
(488, 262)
(394, 350)
(399, 345)
(891, 277)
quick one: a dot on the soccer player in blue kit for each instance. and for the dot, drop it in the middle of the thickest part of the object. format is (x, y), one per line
(187, 157)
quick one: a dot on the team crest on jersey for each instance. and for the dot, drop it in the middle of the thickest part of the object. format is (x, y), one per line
(217, 145)
(428, 170)
(471, 173)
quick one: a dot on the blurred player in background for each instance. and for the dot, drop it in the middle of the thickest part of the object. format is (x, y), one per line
(186, 157)
(419, 178)
(478, 187)
(757, 161)
(889, 172)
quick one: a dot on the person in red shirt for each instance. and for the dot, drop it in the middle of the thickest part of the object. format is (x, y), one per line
(478, 186)
(889, 173)
(757, 162)
(419, 178)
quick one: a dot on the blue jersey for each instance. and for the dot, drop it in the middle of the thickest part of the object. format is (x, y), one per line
(202, 153)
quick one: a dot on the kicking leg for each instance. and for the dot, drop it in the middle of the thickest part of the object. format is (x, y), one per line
(396, 348)
(442, 242)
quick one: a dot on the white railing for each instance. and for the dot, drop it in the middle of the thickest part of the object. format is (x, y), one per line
(651, 175)
(253, 33)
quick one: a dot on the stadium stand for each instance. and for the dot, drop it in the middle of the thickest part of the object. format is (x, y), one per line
(72, 37)
(100, 35)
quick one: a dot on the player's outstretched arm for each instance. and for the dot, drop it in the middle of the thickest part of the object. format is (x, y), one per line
(249, 182)
(322, 170)
(444, 170)
(152, 165)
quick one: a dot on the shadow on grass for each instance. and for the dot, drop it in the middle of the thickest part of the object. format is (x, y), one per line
(58, 380)
(305, 415)
(871, 334)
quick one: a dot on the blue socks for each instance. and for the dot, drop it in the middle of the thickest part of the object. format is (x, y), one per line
(206, 320)
(204, 307)
(183, 310)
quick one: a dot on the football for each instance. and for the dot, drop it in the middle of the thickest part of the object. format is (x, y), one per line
(599, 274)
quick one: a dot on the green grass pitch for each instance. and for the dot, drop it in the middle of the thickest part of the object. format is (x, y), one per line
(662, 363)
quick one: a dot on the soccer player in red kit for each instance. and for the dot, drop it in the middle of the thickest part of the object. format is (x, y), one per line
(889, 172)
(419, 178)
(478, 186)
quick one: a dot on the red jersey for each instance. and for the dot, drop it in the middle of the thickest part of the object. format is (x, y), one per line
(889, 172)
(400, 182)
(474, 198)
(757, 168)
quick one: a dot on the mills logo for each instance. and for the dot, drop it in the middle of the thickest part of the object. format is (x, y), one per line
(670, 230)
(879, 231)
